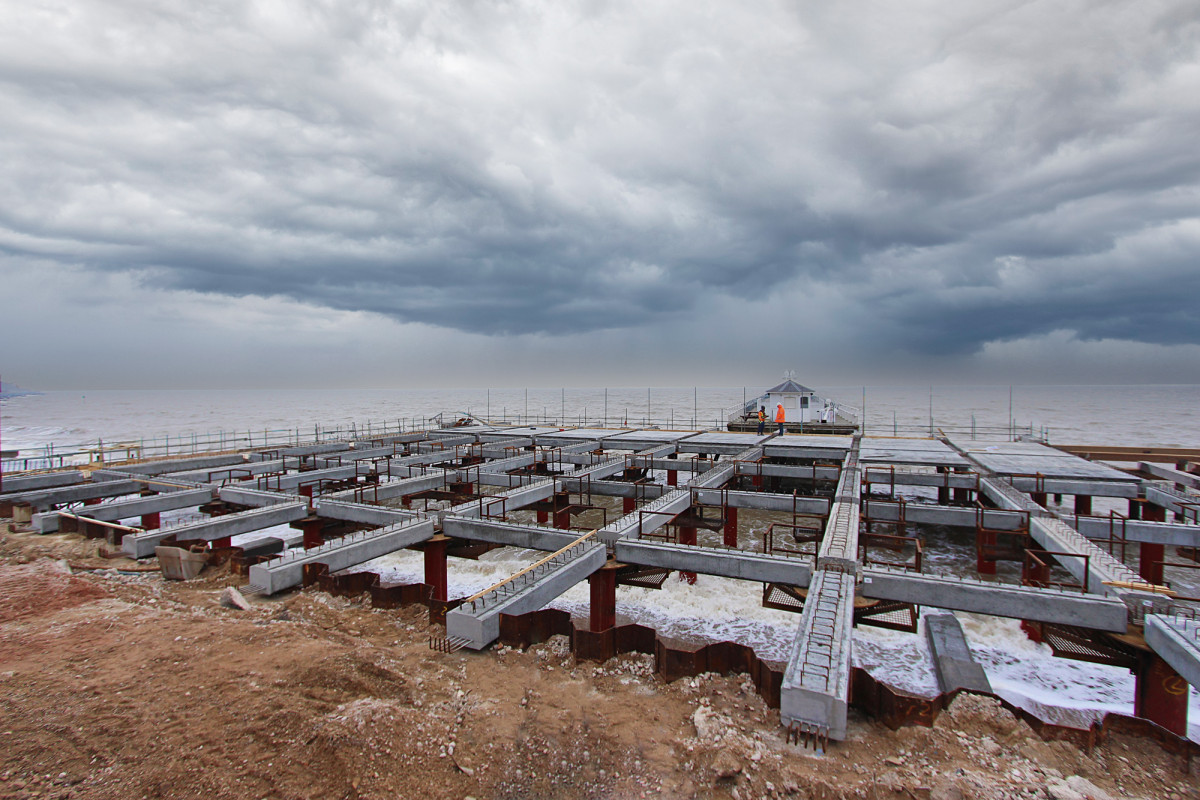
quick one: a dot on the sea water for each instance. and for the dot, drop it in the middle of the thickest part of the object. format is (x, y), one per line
(713, 609)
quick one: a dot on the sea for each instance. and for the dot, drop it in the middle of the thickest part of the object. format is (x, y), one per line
(713, 609)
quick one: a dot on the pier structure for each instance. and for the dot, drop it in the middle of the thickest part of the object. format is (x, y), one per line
(845, 518)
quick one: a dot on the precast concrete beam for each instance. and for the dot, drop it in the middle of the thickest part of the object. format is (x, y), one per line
(512, 534)
(810, 472)
(715, 477)
(256, 498)
(763, 501)
(1183, 504)
(284, 483)
(355, 455)
(1176, 476)
(125, 509)
(503, 445)
(160, 483)
(953, 663)
(45, 499)
(478, 622)
(879, 476)
(173, 465)
(390, 491)
(1132, 530)
(1176, 640)
(649, 518)
(780, 451)
(141, 545)
(272, 453)
(641, 491)
(241, 468)
(740, 564)
(43, 480)
(503, 465)
(1135, 530)
(839, 545)
(1076, 486)
(287, 571)
(816, 684)
(580, 479)
(999, 600)
(950, 516)
(445, 439)
(361, 513)
(504, 502)
(392, 438)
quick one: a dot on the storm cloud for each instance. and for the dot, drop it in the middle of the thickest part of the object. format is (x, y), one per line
(919, 181)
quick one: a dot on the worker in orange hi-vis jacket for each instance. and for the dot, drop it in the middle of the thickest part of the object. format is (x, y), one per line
(779, 417)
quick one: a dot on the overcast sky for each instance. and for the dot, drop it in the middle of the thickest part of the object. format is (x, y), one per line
(243, 193)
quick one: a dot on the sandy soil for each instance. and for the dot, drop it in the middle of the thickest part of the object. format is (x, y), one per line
(117, 685)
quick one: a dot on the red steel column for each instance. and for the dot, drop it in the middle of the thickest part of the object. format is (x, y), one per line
(1135, 508)
(628, 505)
(943, 491)
(731, 526)
(984, 566)
(1039, 498)
(312, 527)
(687, 536)
(151, 522)
(543, 517)
(1151, 556)
(1161, 695)
(435, 566)
(217, 544)
(672, 477)
(603, 606)
(1083, 504)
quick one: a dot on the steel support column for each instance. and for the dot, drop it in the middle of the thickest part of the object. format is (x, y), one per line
(1150, 562)
(603, 606)
(435, 567)
(984, 565)
(731, 526)
(1161, 695)
(628, 505)
(312, 528)
(151, 522)
(1083, 504)
(687, 536)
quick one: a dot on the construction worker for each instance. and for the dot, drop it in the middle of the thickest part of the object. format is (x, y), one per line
(762, 419)
(779, 417)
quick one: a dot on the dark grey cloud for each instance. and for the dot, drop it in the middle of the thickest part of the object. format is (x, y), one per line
(952, 175)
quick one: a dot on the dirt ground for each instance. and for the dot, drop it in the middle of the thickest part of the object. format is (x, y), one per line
(120, 685)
